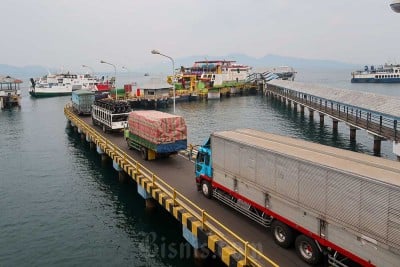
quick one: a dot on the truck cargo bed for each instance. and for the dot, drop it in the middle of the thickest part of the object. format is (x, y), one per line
(158, 148)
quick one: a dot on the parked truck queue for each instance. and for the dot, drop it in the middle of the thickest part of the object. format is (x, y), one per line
(332, 205)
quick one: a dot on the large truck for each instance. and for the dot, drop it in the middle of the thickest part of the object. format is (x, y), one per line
(110, 114)
(156, 134)
(333, 205)
(82, 101)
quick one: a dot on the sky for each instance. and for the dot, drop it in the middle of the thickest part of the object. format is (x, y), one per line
(72, 33)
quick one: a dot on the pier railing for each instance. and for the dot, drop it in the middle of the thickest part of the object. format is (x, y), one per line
(376, 123)
(251, 255)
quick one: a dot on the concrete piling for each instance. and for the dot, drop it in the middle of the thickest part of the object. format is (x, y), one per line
(353, 132)
(377, 145)
(321, 118)
(311, 113)
(335, 124)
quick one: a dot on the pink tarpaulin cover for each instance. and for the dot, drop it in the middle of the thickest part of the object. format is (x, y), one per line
(157, 127)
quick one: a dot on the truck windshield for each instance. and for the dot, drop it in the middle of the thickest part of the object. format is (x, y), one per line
(203, 158)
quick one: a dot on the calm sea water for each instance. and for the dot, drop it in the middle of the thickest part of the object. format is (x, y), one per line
(60, 206)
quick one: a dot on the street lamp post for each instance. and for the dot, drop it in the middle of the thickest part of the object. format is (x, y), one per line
(91, 70)
(156, 52)
(115, 78)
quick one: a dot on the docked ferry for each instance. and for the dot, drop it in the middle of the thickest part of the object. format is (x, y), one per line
(62, 84)
(384, 74)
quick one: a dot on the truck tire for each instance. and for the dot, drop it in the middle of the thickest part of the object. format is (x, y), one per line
(206, 188)
(307, 250)
(282, 234)
(128, 143)
(144, 153)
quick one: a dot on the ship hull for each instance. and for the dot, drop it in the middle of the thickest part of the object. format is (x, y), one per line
(374, 80)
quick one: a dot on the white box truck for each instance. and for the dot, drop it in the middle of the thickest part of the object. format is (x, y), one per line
(334, 205)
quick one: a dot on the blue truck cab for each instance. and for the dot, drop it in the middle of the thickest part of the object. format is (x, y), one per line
(203, 169)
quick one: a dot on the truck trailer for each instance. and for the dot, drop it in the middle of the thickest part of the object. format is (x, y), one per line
(333, 205)
(110, 115)
(156, 134)
(82, 101)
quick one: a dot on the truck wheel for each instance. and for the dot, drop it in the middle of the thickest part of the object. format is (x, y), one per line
(206, 188)
(128, 143)
(282, 234)
(143, 151)
(307, 250)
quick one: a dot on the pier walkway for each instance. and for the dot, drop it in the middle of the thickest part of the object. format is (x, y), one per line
(377, 114)
(170, 182)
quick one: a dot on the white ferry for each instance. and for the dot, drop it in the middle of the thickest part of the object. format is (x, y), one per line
(64, 83)
(383, 74)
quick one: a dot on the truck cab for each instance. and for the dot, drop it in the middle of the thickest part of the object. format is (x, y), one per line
(203, 164)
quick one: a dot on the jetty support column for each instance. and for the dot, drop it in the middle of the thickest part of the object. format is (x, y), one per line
(311, 113)
(90, 141)
(377, 145)
(122, 178)
(321, 118)
(353, 131)
(335, 123)
(149, 201)
(104, 156)
(83, 135)
(396, 149)
(295, 106)
(302, 109)
(193, 241)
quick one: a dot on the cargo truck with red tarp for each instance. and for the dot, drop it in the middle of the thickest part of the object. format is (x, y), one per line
(156, 134)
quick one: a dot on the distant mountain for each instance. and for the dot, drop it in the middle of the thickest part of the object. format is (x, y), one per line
(22, 72)
(271, 61)
(266, 61)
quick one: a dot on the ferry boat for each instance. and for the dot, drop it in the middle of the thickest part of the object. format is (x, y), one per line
(211, 75)
(62, 84)
(388, 73)
(10, 92)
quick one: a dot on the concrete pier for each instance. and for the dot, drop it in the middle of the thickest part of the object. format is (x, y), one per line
(198, 252)
(321, 118)
(335, 124)
(122, 177)
(149, 201)
(301, 109)
(353, 132)
(311, 113)
(295, 106)
(92, 145)
(377, 145)
(104, 156)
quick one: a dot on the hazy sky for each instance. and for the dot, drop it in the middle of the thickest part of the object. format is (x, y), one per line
(69, 33)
